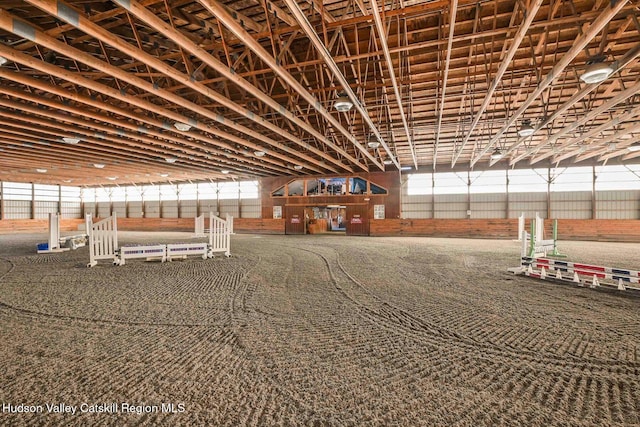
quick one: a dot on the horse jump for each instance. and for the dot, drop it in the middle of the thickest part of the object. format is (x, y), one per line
(580, 274)
(103, 243)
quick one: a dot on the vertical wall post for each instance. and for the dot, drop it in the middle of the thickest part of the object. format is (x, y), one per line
(33, 201)
(179, 207)
(593, 194)
(197, 200)
(433, 194)
(468, 194)
(60, 200)
(1, 200)
(507, 210)
(548, 192)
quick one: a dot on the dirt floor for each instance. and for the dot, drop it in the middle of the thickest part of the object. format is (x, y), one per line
(315, 331)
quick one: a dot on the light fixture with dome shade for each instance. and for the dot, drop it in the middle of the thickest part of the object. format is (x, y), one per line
(373, 142)
(634, 147)
(98, 165)
(70, 140)
(596, 71)
(259, 153)
(224, 171)
(164, 175)
(41, 170)
(182, 127)
(526, 129)
(3, 60)
(343, 103)
(297, 167)
(170, 159)
(387, 162)
(497, 154)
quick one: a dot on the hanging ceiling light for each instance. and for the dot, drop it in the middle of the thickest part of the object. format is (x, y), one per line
(170, 159)
(164, 175)
(98, 165)
(70, 140)
(526, 129)
(259, 153)
(497, 154)
(387, 162)
(182, 127)
(112, 178)
(634, 147)
(596, 72)
(297, 167)
(41, 170)
(373, 142)
(343, 103)
(3, 60)
(224, 171)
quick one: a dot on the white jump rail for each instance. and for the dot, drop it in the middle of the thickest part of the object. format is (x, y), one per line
(581, 274)
(103, 239)
(54, 244)
(182, 250)
(219, 236)
(149, 252)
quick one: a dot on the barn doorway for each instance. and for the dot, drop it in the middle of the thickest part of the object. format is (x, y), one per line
(330, 219)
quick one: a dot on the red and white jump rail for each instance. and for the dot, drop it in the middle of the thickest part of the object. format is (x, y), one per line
(580, 274)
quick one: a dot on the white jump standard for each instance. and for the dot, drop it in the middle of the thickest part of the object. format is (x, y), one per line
(103, 239)
(57, 243)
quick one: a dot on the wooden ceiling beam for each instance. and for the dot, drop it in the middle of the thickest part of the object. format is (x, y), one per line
(328, 60)
(169, 32)
(586, 118)
(617, 66)
(104, 36)
(221, 14)
(581, 42)
(529, 16)
(177, 143)
(382, 36)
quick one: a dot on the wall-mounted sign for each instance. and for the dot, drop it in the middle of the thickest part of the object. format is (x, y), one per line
(295, 219)
(356, 219)
(277, 212)
(378, 211)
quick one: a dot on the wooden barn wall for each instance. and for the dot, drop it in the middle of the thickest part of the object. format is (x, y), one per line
(388, 180)
(568, 229)
(9, 226)
(240, 225)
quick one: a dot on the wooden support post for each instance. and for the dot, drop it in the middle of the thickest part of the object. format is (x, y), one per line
(593, 194)
(33, 201)
(60, 200)
(1, 200)
(507, 209)
(548, 192)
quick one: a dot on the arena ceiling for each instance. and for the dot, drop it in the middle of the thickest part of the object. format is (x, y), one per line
(183, 90)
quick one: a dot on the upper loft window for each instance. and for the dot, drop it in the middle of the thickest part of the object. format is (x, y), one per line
(296, 188)
(279, 192)
(376, 189)
(357, 185)
(339, 186)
